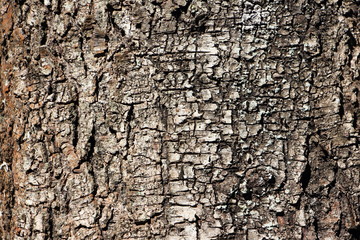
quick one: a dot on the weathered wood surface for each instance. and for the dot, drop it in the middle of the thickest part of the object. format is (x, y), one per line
(179, 119)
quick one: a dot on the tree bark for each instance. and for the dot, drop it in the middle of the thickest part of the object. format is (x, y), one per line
(181, 120)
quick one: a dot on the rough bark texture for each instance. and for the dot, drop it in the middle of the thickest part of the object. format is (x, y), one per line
(197, 119)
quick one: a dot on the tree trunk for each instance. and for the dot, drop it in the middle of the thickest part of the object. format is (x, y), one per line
(181, 120)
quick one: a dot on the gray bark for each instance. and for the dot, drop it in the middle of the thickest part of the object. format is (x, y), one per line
(197, 119)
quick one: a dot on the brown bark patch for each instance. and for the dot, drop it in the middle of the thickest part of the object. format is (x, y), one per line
(7, 20)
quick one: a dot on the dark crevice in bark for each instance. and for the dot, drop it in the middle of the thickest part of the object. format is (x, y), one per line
(90, 152)
(29, 171)
(341, 106)
(339, 225)
(355, 105)
(101, 54)
(349, 14)
(58, 7)
(286, 161)
(305, 176)
(92, 143)
(180, 10)
(130, 115)
(76, 124)
(112, 131)
(51, 223)
(280, 214)
(20, 2)
(354, 120)
(129, 118)
(355, 232)
(82, 226)
(148, 221)
(156, 3)
(339, 3)
(110, 10)
(326, 155)
(97, 83)
(109, 221)
(151, 24)
(81, 45)
(332, 184)
(11, 202)
(316, 228)
(98, 217)
(95, 181)
(199, 26)
(122, 31)
(198, 227)
(247, 195)
(44, 28)
(351, 42)
(67, 30)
